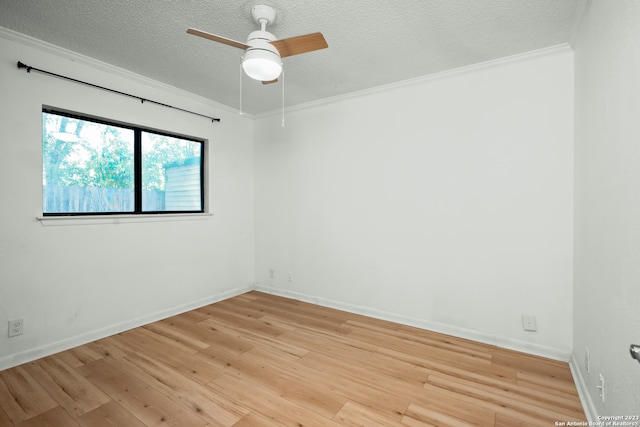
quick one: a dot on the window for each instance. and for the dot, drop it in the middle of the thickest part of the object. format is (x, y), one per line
(92, 166)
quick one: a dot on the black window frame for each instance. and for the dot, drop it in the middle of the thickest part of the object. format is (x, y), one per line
(137, 153)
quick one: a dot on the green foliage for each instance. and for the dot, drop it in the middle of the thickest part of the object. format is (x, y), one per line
(88, 154)
(56, 169)
(111, 164)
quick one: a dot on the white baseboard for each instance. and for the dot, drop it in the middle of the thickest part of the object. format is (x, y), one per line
(55, 347)
(32, 354)
(585, 398)
(511, 344)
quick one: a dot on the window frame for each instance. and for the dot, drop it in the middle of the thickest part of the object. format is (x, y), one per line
(137, 160)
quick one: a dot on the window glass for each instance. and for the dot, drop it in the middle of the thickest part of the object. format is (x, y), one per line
(87, 166)
(96, 167)
(170, 173)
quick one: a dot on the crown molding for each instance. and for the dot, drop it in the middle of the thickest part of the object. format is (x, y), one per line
(103, 66)
(63, 53)
(564, 47)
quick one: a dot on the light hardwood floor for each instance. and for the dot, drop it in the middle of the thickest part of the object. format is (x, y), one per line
(261, 360)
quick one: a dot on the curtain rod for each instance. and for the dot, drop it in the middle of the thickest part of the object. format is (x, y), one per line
(29, 68)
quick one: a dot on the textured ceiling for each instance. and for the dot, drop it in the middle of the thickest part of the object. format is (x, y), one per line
(371, 42)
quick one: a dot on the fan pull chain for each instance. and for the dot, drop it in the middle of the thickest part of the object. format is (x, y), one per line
(241, 112)
(283, 97)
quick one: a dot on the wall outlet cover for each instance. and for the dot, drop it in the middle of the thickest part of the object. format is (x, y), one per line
(529, 322)
(16, 327)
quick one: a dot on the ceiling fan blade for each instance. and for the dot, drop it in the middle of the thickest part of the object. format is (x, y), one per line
(300, 44)
(218, 39)
(268, 82)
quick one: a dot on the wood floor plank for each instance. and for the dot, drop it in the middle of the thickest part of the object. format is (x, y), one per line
(359, 390)
(55, 417)
(21, 396)
(459, 406)
(218, 357)
(214, 408)
(245, 323)
(406, 388)
(261, 360)
(487, 375)
(106, 348)
(396, 368)
(239, 307)
(109, 415)
(277, 379)
(272, 355)
(453, 364)
(356, 415)
(419, 416)
(503, 398)
(255, 420)
(558, 386)
(185, 363)
(412, 422)
(327, 344)
(510, 418)
(253, 338)
(275, 376)
(433, 341)
(79, 356)
(5, 421)
(70, 389)
(283, 306)
(464, 360)
(143, 401)
(308, 318)
(153, 341)
(185, 334)
(225, 337)
(447, 340)
(267, 403)
(532, 364)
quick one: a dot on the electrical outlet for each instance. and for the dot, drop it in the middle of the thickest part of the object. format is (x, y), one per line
(601, 387)
(272, 274)
(529, 322)
(16, 327)
(291, 276)
(587, 360)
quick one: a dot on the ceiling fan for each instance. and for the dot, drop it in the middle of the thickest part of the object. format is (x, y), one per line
(263, 53)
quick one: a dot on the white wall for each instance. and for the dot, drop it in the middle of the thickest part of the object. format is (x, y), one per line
(74, 283)
(444, 202)
(607, 204)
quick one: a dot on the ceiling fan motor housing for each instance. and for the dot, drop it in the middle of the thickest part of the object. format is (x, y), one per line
(263, 53)
(261, 61)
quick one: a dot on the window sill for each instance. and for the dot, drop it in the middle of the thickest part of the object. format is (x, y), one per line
(119, 219)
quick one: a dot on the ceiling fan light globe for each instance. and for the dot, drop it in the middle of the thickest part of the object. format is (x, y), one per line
(261, 65)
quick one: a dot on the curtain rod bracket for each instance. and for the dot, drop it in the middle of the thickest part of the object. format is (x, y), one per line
(142, 100)
(23, 65)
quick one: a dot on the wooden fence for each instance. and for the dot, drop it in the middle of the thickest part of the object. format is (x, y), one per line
(73, 199)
